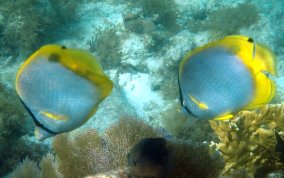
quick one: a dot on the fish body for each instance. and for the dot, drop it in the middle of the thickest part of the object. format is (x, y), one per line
(61, 88)
(225, 76)
(151, 157)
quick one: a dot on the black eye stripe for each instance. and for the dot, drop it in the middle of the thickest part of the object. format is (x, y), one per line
(53, 57)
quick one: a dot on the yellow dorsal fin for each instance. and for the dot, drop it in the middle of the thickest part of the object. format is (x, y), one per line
(84, 64)
(242, 46)
(79, 61)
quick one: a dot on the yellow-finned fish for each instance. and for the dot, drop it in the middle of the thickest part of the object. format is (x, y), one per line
(61, 88)
(226, 76)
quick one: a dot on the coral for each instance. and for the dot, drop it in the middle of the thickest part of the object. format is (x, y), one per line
(26, 169)
(248, 143)
(48, 167)
(29, 169)
(178, 159)
(190, 162)
(227, 21)
(121, 137)
(81, 154)
(84, 152)
(119, 173)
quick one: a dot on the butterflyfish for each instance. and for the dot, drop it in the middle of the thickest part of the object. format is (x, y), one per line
(226, 76)
(151, 157)
(61, 88)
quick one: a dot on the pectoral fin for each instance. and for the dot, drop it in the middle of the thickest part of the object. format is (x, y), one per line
(54, 116)
(201, 105)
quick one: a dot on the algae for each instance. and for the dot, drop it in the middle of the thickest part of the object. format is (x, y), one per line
(28, 26)
(27, 169)
(14, 124)
(82, 153)
(106, 46)
(226, 20)
(85, 152)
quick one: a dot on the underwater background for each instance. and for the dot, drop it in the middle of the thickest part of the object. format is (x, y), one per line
(139, 45)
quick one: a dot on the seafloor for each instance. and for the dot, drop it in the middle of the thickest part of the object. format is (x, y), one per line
(139, 44)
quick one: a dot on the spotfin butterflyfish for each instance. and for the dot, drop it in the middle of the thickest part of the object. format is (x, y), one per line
(226, 76)
(61, 88)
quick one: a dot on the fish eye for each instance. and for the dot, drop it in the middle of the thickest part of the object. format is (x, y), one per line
(250, 40)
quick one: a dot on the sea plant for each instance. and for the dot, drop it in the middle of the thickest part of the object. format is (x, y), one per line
(27, 169)
(106, 46)
(22, 29)
(166, 10)
(85, 152)
(65, 10)
(183, 126)
(195, 161)
(12, 120)
(227, 20)
(27, 26)
(129, 131)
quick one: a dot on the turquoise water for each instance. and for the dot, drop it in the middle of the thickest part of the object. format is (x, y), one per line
(139, 45)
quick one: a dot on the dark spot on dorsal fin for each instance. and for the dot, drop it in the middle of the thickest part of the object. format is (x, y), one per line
(54, 57)
(250, 40)
(63, 47)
